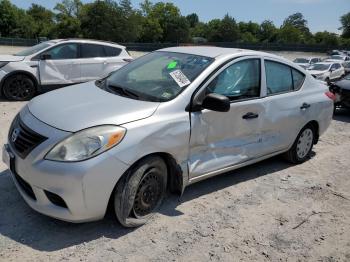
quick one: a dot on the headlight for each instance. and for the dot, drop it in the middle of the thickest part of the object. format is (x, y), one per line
(2, 64)
(87, 143)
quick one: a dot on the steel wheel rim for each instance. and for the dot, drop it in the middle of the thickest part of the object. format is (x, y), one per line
(19, 88)
(304, 143)
(148, 194)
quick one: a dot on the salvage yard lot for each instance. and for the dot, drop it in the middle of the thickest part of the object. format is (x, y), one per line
(270, 211)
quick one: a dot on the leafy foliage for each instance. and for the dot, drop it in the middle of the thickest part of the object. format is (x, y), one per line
(153, 22)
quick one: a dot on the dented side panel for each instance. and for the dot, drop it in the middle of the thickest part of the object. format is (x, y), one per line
(219, 140)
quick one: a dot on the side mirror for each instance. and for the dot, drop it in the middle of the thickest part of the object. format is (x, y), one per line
(216, 102)
(331, 70)
(45, 56)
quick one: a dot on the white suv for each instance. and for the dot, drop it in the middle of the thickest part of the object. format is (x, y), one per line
(327, 71)
(58, 63)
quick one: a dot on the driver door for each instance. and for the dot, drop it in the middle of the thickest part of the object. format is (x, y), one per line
(220, 140)
(61, 66)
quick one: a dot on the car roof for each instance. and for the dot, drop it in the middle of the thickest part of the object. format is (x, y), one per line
(91, 41)
(325, 63)
(213, 51)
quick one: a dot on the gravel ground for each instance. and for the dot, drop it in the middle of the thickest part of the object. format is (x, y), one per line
(270, 211)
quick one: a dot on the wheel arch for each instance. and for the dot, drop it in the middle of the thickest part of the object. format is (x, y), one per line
(19, 72)
(316, 128)
(175, 174)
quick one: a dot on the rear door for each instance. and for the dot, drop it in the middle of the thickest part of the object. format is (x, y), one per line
(220, 140)
(61, 65)
(97, 61)
(286, 106)
(93, 61)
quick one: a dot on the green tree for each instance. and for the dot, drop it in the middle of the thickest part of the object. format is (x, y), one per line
(67, 18)
(345, 21)
(225, 30)
(268, 31)
(290, 35)
(298, 21)
(192, 19)
(7, 18)
(43, 20)
(326, 38)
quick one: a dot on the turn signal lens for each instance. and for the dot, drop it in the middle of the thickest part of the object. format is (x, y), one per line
(330, 95)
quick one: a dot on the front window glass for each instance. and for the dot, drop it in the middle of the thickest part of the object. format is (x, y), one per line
(66, 51)
(34, 49)
(158, 76)
(238, 81)
(319, 67)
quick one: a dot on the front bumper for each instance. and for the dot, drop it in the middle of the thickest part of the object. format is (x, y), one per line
(84, 187)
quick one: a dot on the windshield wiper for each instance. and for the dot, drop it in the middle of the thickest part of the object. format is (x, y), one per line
(123, 91)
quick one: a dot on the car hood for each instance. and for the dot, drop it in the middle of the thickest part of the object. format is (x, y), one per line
(343, 84)
(85, 105)
(316, 72)
(11, 58)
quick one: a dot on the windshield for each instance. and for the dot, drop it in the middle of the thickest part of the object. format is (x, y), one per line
(158, 76)
(319, 67)
(33, 49)
(301, 60)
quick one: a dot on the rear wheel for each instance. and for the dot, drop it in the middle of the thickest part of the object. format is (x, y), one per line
(139, 193)
(302, 146)
(19, 87)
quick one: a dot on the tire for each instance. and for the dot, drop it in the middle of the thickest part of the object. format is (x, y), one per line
(140, 192)
(19, 87)
(302, 147)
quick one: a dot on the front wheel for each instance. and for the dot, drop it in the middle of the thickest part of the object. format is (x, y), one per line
(140, 192)
(19, 88)
(302, 146)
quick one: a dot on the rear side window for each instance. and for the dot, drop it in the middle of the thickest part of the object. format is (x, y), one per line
(298, 79)
(92, 50)
(112, 51)
(282, 78)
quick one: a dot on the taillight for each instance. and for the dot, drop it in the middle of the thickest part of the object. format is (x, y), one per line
(330, 95)
(128, 60)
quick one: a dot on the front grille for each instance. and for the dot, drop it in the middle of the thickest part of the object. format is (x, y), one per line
(23, 139)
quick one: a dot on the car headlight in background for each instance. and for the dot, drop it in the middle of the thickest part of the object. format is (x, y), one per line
(2, 64)
(87, 143)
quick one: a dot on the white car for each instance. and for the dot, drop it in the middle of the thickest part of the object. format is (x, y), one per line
(338, 58)
(58, 63)
(306, 62)
(327, 71)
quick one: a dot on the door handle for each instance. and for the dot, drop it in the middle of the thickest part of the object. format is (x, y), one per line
(305, 106)
(250, 115)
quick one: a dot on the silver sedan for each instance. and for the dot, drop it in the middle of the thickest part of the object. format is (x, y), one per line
(166, 120)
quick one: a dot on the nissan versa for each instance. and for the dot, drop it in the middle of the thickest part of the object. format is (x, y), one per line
(164, 121)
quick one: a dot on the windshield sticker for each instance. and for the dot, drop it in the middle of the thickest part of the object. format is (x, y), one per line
(166, 95)
(172, 65)
(180, 78)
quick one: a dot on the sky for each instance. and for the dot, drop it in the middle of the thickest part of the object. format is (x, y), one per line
(321, 14)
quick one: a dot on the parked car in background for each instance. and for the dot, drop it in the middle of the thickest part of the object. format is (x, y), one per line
(58, 63)
(335, 52)
(327, 71)
(346, 66)
(337, 58)
(306, 62)
(166, 120)
(341, 90)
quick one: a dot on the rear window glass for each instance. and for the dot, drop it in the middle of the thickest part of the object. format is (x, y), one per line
(298, 79)
(112, 51)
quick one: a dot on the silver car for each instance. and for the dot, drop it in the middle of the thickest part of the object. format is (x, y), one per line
(164, 121)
